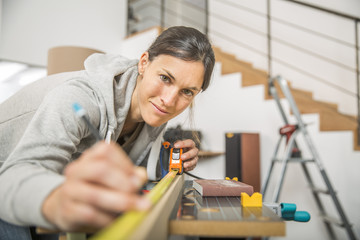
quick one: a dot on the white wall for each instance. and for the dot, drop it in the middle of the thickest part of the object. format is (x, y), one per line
(350, 7)
(1, 15)
(31, 27)
(133, 47)
(324, 64)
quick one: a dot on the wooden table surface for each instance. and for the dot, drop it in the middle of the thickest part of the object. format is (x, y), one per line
(222, 217)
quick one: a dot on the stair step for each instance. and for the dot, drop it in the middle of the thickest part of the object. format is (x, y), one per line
(356, 145)
(331, 121)
(219, 55)
(307, 104)
(303, 92)
(250, 76)
(231, 64)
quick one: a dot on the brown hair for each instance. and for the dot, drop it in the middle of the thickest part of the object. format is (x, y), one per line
(188, 44)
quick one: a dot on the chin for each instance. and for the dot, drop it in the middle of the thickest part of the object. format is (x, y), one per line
(155, 122)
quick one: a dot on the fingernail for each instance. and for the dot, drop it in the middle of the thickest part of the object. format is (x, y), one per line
(143, 204)
(141, 173)
(136, 181)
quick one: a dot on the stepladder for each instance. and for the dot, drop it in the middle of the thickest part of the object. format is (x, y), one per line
(289, 134)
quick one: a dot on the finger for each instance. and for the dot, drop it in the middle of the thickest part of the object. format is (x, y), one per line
(69, 214)
(141, 173)
(192, 153)
(110, 152)
(190, 164)
(78, 216)
(105, 199)
(120, 157)
(104, 173)
(188, 143)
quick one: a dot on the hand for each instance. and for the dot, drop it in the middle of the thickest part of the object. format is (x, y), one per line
(190, 153)
(99, 185)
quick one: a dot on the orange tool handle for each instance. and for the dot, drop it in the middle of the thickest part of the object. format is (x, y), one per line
(175, 162)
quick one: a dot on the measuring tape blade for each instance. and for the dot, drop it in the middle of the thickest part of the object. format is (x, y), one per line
(124, 226)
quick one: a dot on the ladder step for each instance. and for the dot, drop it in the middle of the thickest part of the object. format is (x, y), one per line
(333, 220)
(294, 160)
(319, 190)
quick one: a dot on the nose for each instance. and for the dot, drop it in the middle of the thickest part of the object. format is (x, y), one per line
(169, 96)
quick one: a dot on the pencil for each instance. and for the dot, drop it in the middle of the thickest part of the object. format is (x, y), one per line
(81, 113)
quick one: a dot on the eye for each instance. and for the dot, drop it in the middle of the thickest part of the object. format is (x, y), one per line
(188, 92)
(165, 78)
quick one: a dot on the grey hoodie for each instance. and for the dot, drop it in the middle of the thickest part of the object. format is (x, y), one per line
(40, 133)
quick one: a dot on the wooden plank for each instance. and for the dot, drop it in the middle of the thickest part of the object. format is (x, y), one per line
(205, 154)
(155, 225)
(226, 229)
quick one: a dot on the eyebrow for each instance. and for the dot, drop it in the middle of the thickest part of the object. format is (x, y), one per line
(173, 78)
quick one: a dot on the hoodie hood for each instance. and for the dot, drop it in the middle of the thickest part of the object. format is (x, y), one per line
(113, 79)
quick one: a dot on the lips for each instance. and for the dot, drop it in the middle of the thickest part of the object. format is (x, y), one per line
(159, 109)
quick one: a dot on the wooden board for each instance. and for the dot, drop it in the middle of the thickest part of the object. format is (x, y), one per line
(222, 217)
(155, 225)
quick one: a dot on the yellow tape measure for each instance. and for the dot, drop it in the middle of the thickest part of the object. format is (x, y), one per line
(124, 226)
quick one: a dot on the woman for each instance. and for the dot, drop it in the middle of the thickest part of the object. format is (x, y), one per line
(129, 102)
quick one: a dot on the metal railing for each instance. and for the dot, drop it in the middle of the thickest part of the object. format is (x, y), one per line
(355, 20)
(167, 13)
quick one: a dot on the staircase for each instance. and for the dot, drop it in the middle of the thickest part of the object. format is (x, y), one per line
(330, 118)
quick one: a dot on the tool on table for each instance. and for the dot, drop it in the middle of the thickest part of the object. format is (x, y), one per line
(255, 200)
(175, 162)
(288, 211)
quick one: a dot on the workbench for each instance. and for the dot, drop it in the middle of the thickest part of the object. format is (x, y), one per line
(183, 211)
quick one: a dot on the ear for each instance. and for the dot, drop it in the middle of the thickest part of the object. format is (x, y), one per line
(143, 62)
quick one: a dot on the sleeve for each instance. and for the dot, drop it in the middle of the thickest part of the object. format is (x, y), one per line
(34, 169)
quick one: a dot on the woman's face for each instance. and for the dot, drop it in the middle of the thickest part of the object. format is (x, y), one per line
(166, 86)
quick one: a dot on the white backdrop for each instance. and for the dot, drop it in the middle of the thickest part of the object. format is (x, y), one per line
(31, 27)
